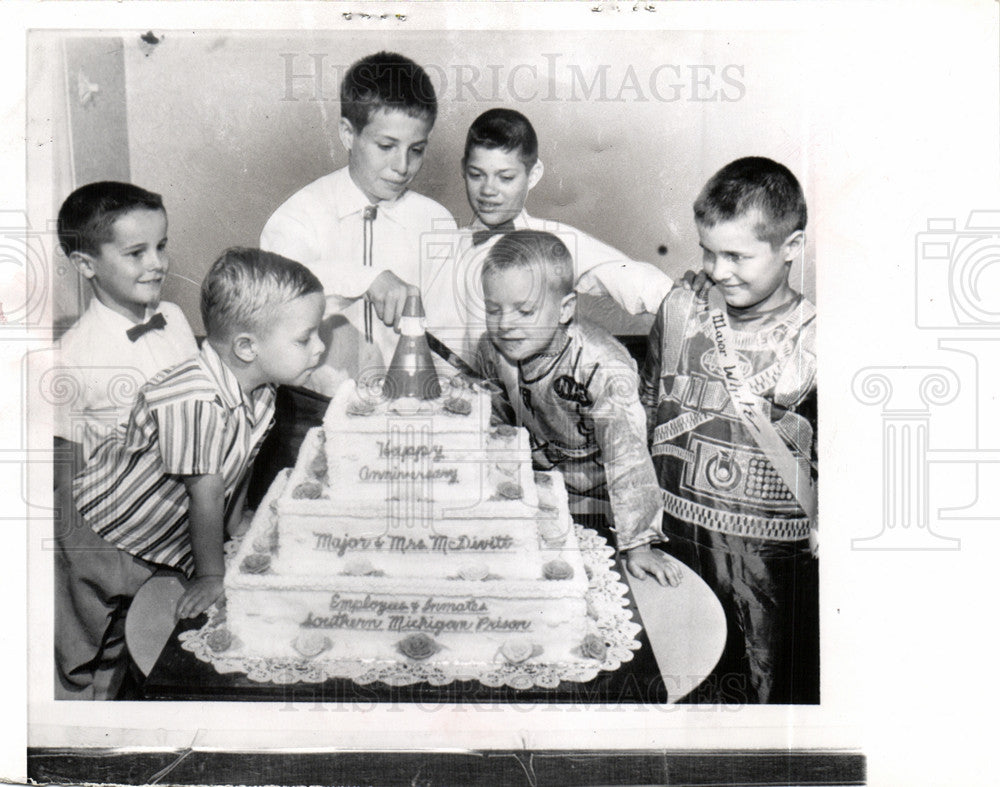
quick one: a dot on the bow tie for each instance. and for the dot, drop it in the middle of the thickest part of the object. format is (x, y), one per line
(154, 323)
(479, 237)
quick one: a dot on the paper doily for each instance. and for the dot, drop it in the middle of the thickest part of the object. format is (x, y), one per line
(606, 601)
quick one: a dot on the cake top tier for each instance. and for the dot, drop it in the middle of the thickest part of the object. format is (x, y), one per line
(462, 406)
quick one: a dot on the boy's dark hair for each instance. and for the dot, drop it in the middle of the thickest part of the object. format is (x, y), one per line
(754, 184)
(506, 129)
(244, 287)
(87, 215)
(533, 249)
(386, 80)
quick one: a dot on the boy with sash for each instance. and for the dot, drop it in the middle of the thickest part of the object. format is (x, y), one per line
(729, 386)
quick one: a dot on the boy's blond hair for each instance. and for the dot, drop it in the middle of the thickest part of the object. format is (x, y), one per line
(244, 288)
(533, 249)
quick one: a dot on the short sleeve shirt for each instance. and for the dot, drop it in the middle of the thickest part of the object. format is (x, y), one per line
(192, 419)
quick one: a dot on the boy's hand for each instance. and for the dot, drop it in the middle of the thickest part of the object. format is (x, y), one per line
(699, 283)
(388, 295)
(814, 541)
(199, 596)
(643, 560)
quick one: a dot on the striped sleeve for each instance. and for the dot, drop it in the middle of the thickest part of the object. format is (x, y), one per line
(192, 436)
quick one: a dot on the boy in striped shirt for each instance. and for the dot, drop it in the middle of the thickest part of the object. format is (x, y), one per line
(159, 492)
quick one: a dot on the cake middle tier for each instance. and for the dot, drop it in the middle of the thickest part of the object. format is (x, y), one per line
(495, 539)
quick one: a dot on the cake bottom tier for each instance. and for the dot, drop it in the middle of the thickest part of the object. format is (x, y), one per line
(434, 628)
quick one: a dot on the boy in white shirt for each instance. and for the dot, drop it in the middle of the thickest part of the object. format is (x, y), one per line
(359, 229)
(501, 166)
(116, 236)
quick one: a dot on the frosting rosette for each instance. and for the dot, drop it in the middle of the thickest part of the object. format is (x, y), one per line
(307, 490)
(360, 407)
(509, 490)
(256, 563)
(359, 567)
(418, 646)
(505, 430)
(318, 464)
(516, 652)
(310, 644)
(594, 647)
(457, 406)
(219, 640)
(552, 531)
(557, 569)
(473, 572)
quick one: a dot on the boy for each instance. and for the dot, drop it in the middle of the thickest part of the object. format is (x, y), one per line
(501, 166)
(575, 389)
(359, 229)
(730, 390)
(116, 236)
(157, 493)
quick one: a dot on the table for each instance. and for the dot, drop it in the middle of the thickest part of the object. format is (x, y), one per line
(684, 631)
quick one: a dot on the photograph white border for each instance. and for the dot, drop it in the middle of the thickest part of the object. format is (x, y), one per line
(904, 128)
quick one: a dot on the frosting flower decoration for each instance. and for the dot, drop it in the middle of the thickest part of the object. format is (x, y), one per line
(593, 647)
(360, 407)
(510, 491)
(516, 652)
(311, 643)
(557, 569)
(318, 464)
(458, 406)
(256, 563)
(473, 572)
(359, 568)
(505, 430)
(219, 640)
(418, 646)
(308, 490)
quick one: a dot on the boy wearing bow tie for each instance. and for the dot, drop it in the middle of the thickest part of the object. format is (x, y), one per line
(116, 236)
(501, 165)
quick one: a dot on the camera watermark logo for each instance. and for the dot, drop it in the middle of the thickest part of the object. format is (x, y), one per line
(25, 271)
(957, 295)
(964, 266)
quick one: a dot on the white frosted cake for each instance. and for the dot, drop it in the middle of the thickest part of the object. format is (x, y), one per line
(412, 530)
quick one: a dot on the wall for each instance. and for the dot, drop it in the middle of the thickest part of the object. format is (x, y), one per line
(218, 127)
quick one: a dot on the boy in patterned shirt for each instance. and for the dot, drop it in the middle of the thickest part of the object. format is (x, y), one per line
(730, 390)
(575, 389)
(158, 493)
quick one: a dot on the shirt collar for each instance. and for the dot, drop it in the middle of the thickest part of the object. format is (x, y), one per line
(522, 221)
(350, 199)
(230, 392)
(116, 320)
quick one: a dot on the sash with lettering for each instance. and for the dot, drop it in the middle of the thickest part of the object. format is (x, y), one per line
(750, 408)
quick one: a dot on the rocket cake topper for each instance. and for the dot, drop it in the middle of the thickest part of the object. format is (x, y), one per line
(412, 373)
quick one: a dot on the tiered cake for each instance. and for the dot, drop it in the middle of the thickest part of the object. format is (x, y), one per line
(411, 530)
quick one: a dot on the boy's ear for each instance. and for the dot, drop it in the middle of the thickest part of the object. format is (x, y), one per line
(84, 263)
(346, 131)
(794, 244)
(244, 347)
(535, 174)
(567, 308)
